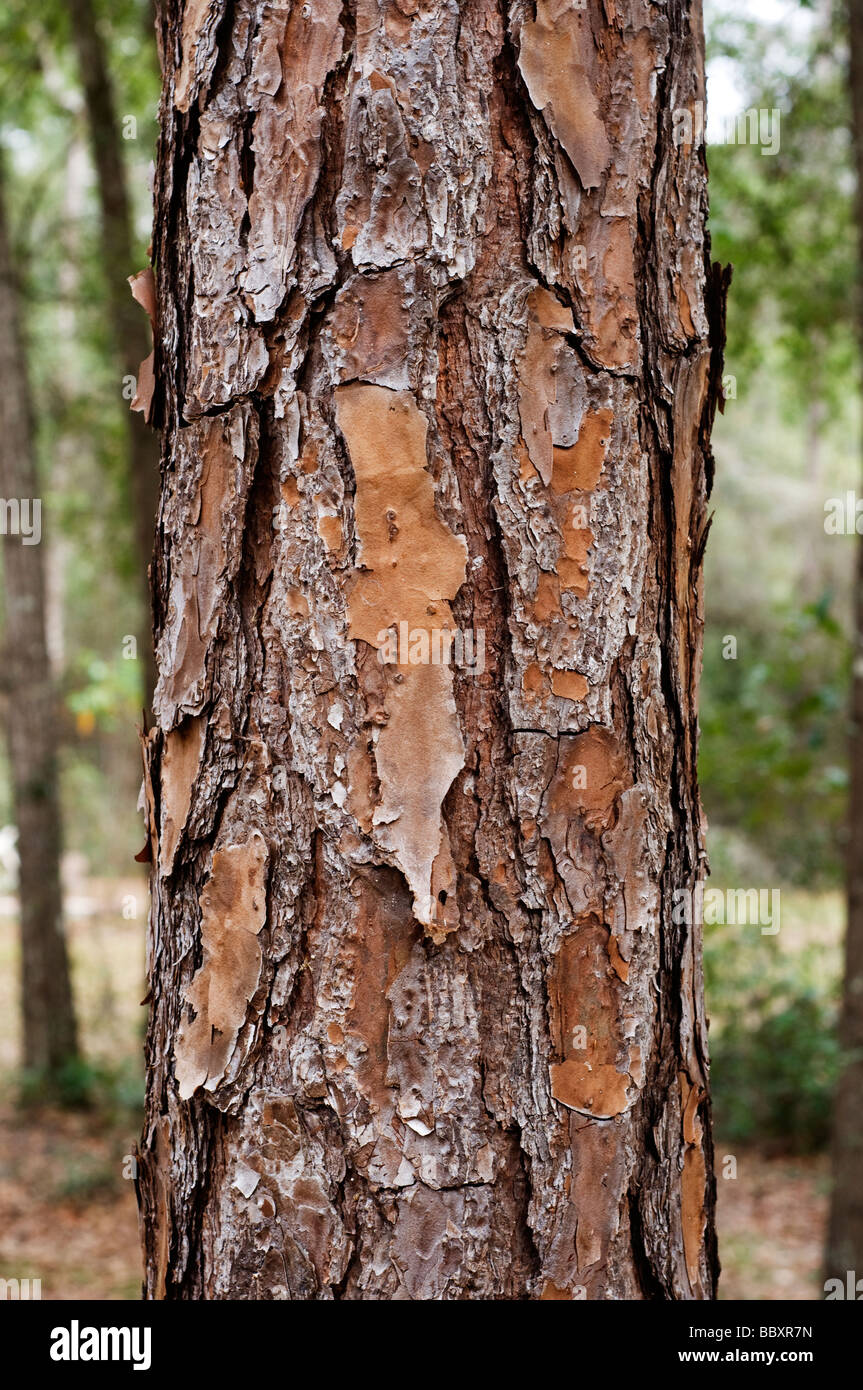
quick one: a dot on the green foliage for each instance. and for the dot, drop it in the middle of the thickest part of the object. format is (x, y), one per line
(104, 694)
(107, 1091)
(773, 1045)
(786, 222)
(773, 752)
(79, 409)
(773, 756)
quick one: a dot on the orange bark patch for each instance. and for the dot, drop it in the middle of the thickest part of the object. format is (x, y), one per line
(535, 389)
(309, 458)
(549, 312)
(693, 1216)
(685, 313)
(143, 287)
(398, 24)
(409, 558)
(411, 566)
(532, 681)
(590, 1086)
(572, 566)
(423, 153)
(179, 768)
(690, 394)
(594, 1075)
(296, 603)
(330, 531)
(598, 1179)
(547, 601)
(575, 474)
(643, 51)
(591, 774)
(689, 292)
(571, 685)
(619, 965)
(578, 469)
(360, 781)
(419, 753)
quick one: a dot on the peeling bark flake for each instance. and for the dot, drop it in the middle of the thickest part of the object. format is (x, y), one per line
(233, 911)
(410, 566)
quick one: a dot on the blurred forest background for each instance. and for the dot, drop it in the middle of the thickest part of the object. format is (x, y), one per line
(774, 721)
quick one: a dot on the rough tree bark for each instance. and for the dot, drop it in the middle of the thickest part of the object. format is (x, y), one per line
(49, 1037)
(438, 348)
(129, 328)
(845, 1232)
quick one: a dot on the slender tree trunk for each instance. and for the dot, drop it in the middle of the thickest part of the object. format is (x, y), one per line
(439, 349)
(49, 1033)
(845, 1238)
(128, 324)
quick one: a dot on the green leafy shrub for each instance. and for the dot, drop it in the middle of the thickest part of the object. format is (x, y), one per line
(773, 1043)
(109, 1091)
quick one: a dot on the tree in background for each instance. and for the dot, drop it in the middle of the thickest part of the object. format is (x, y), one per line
(78, 437)
(128, 324)
(845, 1236)
(49, 1030)
(439, 354)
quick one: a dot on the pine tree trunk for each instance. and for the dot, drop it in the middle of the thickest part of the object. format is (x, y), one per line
(49, 1034)
(128, 324)
(439, 346)
(845, 1234)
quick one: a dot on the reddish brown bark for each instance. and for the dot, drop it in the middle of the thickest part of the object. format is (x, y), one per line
(439, 350)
